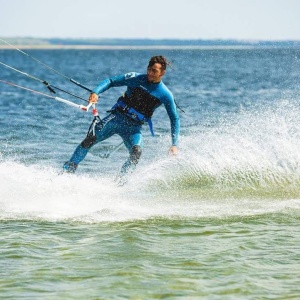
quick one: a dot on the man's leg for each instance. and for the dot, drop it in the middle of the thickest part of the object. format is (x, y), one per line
(79, 154)
(103, 130)
(134, 144)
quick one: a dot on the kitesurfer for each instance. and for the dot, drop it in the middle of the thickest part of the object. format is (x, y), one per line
(145, 92)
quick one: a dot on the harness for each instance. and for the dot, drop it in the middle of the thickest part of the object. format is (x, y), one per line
(132, 113)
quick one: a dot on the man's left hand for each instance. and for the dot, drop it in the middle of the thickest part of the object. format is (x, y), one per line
(93, 98)
(173, 151)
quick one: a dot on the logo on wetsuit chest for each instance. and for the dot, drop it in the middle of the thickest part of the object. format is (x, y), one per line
(129, 75)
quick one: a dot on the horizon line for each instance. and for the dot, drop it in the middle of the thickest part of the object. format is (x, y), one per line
(158, 39)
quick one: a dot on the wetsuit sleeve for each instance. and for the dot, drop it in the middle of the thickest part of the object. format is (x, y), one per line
(170, 106)
(120, 80)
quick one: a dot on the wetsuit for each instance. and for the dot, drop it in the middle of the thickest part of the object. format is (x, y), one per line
(127, 116)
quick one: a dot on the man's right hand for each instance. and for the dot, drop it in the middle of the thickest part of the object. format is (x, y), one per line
(93, 98)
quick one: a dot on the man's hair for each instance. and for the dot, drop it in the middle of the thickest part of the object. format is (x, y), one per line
(159, 59)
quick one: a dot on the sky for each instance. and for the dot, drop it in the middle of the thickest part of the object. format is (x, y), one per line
(154, 19)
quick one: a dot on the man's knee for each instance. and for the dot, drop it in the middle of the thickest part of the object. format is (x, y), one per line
(135, 154)
(89, 141)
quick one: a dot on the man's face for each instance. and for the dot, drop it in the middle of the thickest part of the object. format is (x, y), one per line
(155, 73)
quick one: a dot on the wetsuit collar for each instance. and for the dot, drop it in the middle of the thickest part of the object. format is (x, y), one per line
(154, 82)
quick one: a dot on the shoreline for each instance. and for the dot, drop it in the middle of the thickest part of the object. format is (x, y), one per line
(138, 47)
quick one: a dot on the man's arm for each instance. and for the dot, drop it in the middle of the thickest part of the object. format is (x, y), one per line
(175, 123)
(104, 85)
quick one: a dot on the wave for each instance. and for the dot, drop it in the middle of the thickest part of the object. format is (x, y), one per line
(32, 193)
(248, 163)
(248, 154)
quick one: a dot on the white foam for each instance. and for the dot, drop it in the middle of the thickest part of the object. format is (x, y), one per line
(253, 150)
(28, 192)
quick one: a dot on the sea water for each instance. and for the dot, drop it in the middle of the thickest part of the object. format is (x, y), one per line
(219, 221)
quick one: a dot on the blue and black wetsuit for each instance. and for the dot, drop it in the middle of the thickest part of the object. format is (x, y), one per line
(128, 115)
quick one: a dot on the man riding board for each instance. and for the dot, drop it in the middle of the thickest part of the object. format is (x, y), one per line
(145, 92)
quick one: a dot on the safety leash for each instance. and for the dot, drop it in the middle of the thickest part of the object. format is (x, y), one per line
(95, 121)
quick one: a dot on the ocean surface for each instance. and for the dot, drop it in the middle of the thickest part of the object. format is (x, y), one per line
(219, 221)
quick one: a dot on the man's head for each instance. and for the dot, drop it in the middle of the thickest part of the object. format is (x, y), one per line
(156, 68)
